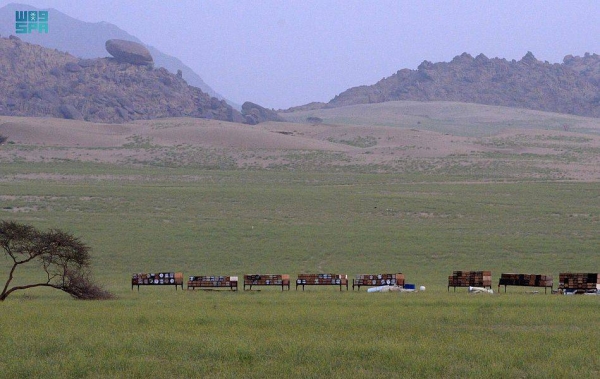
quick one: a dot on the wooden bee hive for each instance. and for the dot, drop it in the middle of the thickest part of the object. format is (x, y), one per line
(527, 280)
(282, 280)
(470, 279)
(213, 282)
(371, 280)
(157, 279)
(579, 281)
(322, 280)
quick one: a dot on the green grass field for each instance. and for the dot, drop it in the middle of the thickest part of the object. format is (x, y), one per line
(150, 219)
(314, 334)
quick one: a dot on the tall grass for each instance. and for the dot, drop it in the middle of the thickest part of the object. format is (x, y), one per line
(296, 334)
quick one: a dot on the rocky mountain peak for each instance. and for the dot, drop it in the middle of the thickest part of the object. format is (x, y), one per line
(529, 58)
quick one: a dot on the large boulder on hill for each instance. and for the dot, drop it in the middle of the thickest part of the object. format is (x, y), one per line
(254, 114)
(129, 52)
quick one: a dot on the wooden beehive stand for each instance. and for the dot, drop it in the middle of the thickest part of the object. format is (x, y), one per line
(213, 282)
(282, 280)
(322, 280)
(368, 280)
(526, 280)
(579, 282)
(470, 279)
(157, 279)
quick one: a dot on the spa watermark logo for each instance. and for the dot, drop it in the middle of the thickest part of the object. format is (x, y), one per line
(31, 21)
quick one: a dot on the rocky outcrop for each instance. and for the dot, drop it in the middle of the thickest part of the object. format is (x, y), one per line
(128, 52)
(571, 87)
(306, 107)
(72, 67)
(35, 81)
(70, 112)
(254, 114)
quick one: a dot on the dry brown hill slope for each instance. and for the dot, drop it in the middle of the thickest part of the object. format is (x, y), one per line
(523, 151)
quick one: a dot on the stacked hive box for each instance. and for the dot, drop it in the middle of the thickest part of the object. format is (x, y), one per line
(161, 278)
(470, 279)
(369, 280)
(282, 280)
(529, 280)
(579, 281)
(322, 280)
(230, 282)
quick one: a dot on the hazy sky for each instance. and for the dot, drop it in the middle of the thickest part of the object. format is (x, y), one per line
(286, 53)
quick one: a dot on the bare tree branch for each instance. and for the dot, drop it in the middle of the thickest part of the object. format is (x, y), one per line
(4, 295)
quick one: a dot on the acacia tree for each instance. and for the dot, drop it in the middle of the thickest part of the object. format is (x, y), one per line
(64, 259)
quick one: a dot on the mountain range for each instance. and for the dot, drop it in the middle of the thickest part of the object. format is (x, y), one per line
(571, 87)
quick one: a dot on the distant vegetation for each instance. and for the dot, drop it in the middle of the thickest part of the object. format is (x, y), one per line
(314, 120)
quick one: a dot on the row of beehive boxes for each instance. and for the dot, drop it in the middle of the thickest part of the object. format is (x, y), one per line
(470, 278)
(566, 280)
(458, 278)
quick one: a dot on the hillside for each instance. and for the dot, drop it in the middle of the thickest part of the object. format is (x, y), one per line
(86, 40)
(572, 87)
(471, 143)
(460, 119)
(36, 81)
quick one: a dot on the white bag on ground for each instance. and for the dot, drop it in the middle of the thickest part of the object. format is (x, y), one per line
(476, 290)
